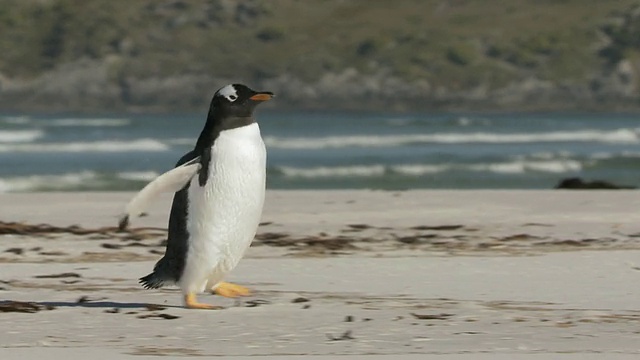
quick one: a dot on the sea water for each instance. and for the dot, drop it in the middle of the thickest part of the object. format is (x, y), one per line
(329, 150)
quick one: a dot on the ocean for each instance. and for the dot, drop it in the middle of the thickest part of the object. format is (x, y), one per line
(329, 150)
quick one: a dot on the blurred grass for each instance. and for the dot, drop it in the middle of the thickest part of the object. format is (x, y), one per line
(457, 43)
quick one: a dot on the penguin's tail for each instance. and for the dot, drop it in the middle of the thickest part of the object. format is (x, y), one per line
(152, 281)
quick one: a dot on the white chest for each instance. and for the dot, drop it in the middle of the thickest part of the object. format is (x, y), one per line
(223, 215)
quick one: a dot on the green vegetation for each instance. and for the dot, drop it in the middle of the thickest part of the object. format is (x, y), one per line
(450, 43)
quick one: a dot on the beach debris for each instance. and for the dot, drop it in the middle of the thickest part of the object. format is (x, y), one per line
(19, 228)
(360, 226)
(112, 311)
(310, 245)
(53, 253)
(300, 300)
(519, 237)
(267, 237)
(158, 316)
(441, 316)
(256, 303)
(17, 251)
(154, 307)
(416, 239)
(265, 223)
(375, 242)
(569, 242)
(111, 246)
(538, 224)
(23, 307)
(349, 318)
(58, 276)
(437, 227)
(345, 336)
(136, 244)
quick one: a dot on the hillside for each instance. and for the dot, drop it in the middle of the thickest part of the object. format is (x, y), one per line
(170, 55)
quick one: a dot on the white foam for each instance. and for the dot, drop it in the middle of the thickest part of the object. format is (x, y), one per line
(420, 169)
(20, 136)
(98, 122)
(623, 136)
(138, 175)
(69, 181)
(16, 120)
(335, 171)
(181, 141)
(49, 182)
(508, 167)
(522, 166)
(549, 155)
(97, 146)
(609, 155)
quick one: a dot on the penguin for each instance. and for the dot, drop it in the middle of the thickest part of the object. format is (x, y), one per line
(219, 195)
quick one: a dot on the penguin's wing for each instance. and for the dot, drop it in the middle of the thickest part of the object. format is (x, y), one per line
(171, 181)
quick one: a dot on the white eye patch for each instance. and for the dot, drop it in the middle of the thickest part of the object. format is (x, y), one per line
(229, 92)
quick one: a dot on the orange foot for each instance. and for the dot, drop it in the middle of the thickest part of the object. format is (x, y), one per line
(230, 290)
(190, 302)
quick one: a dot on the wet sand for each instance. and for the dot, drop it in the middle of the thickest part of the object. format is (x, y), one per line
(456, 274)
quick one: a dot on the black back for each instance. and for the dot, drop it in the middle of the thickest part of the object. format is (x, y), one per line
(172, 264)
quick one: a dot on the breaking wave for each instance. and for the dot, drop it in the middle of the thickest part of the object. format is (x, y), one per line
(46, 182)
(96, 146)
(376, 170)
(622, 136)
(98, 122)
(83, 180)
(15, 120)
(138, 175)
(20, 136)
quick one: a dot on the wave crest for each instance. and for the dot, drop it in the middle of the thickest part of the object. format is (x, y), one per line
(623, 136)
(97, 122)
(377, 170)
(20, 136)
(82, 180)
(97, 146)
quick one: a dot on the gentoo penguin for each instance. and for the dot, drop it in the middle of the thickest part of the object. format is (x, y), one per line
(220, 187)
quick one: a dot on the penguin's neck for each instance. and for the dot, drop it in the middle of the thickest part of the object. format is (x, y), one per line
(214, 126)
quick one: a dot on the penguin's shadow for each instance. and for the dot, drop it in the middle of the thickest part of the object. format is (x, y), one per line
(103, 304)
(93, 304)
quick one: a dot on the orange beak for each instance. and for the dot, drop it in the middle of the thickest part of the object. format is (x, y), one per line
(263, 96)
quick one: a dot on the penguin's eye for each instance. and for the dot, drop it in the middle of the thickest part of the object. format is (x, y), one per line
(232, 97)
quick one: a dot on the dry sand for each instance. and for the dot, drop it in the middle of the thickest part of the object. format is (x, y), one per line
(403, 275)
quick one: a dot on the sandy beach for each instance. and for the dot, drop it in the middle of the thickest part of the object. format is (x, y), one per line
(402, 275)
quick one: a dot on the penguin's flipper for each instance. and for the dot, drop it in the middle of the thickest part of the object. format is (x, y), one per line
(171, 181)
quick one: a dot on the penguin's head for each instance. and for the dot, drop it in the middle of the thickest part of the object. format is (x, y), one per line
(237, 100)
